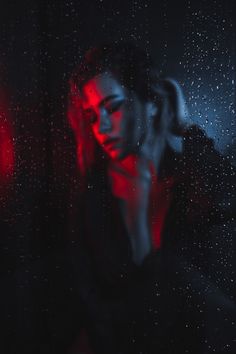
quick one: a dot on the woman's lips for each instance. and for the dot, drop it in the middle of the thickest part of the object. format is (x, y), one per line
(111, 143)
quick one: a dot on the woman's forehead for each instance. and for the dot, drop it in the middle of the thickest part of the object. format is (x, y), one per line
(100, 87)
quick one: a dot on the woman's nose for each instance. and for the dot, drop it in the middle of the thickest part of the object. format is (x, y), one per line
(105, 124)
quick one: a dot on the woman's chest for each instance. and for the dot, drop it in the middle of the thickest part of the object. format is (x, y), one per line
(140, 213)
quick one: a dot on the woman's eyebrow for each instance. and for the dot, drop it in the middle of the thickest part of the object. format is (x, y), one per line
(108, 98)
(103, 101)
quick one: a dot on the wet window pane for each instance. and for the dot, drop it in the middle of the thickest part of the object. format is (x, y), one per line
(134, 254)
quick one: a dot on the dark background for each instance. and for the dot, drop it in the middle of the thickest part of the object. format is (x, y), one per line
(40, 43)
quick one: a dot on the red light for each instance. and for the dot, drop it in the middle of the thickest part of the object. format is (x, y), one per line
(6, 142)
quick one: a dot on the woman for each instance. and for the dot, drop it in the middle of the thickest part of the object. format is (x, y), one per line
(152, 219)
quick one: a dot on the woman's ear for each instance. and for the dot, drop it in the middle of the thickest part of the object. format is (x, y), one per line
(152, 109)
(177, 99)
(172, 92)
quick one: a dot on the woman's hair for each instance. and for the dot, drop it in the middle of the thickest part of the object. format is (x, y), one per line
(133, 68)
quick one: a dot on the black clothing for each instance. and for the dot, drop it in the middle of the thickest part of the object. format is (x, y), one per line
(182, 299)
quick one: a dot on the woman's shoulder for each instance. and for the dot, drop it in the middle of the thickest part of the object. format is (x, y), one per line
(196, 141)
(200, 152)
(207, 176)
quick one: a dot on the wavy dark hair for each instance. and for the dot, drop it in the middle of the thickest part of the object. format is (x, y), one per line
(133, 68)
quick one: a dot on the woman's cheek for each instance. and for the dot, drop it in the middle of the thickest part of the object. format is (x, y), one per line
(117, 122)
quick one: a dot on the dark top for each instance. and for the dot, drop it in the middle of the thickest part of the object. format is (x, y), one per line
(182, 299)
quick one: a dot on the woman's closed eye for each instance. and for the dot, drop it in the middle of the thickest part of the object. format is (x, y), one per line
(112, 107)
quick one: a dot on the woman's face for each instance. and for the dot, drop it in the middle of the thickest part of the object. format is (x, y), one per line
(117, 116)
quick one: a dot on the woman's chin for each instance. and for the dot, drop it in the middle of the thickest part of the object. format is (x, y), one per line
(117, 154)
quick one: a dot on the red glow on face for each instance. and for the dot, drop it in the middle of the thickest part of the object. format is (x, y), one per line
(104, 99)
(6, 143)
